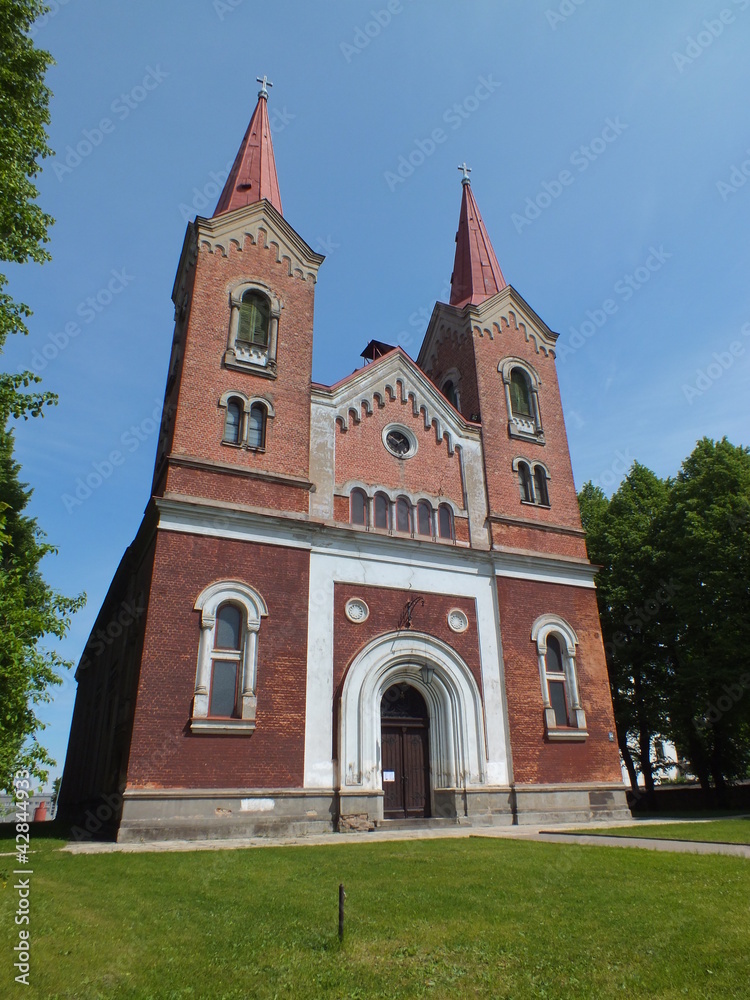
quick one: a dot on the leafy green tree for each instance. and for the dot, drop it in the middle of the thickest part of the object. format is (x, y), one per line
(631, 595)
(24, 114)
(29, 608)
(704, 534)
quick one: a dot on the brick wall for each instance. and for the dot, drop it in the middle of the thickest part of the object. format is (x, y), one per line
(361, 455)
(199, 422)
(164, 752)
(386, 606)
(535, 759)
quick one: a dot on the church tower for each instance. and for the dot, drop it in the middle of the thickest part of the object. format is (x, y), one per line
(243, 297)
(348, 604)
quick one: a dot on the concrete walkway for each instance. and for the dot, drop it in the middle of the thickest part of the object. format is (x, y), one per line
(560, 835)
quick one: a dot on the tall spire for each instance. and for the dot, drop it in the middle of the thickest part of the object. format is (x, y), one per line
(476, 272)
(253, 174)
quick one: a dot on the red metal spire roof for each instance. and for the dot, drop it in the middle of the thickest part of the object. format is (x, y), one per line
(476, 272)
(253, 174)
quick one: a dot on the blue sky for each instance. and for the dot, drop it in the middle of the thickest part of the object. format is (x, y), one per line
(610, 155)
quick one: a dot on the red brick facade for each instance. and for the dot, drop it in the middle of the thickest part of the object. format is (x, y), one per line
(275, 520)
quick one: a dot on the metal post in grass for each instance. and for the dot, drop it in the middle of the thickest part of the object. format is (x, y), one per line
(342, 897)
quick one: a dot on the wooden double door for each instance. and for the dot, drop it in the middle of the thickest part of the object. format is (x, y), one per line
(405, 754)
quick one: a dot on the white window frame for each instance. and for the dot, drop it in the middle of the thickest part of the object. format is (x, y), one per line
(261, 361)
(254, 609)
(247, 403)
(532, 465)
(525, 428)
(542, 628)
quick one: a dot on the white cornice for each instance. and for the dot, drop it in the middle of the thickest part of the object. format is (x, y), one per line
(218, 520)
(395, 377)
(231, 229)
(484, 320)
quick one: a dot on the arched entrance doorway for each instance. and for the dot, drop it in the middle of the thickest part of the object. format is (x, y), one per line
(405, 748)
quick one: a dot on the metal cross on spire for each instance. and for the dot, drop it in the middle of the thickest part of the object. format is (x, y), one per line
(264, 84)
(466, 171)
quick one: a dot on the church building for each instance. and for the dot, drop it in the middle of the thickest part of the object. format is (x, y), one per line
(348, 605)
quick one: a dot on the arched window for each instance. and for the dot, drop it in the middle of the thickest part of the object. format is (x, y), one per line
(255, 320)
(403, 515)
(233, 422)
(520, 394)
(225, 699)
(556, 643)
(358, 508)
(226, 662)
(556, 681)
(450, 391)
(445, 521)
(382, 511)
(424, 518)
(524, 483)
(540, 486)
(256, 426)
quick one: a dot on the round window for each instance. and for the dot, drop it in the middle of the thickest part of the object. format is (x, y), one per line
(399, 441)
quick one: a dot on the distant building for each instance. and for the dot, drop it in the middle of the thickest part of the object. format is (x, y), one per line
(347, 604)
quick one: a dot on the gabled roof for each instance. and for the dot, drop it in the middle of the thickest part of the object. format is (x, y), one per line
(394, 376)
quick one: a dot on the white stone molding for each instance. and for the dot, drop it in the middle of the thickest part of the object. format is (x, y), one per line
(543, 627)
(456, 736)
(260, 223)
(394, 494)
(254, 608)
(356, 610)
(457, 620)
(518, 426)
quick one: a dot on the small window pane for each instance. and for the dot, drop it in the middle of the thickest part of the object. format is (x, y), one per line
(445, 521)
(224, 688)
(228, 627)
(554, 656)
(359, 508)
(540, 486)
(255, 318)
(524, 482)
(424, 518)
(403, 515)
(557, 701)
(233, 422)
(382, 505)
(256, 426)
(520, 397)
(451, 393)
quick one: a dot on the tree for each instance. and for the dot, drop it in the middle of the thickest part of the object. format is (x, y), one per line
(29, 608)
(674, 597)
(704, 534)
(631, 595)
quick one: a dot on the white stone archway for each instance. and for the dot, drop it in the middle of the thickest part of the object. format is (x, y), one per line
(457, 749)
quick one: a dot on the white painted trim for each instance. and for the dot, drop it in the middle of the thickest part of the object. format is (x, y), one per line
(217, 520)
(457, 754)
(362, 566)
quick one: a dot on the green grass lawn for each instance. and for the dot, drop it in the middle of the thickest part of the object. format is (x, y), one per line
(722, 831)
(434, 918)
